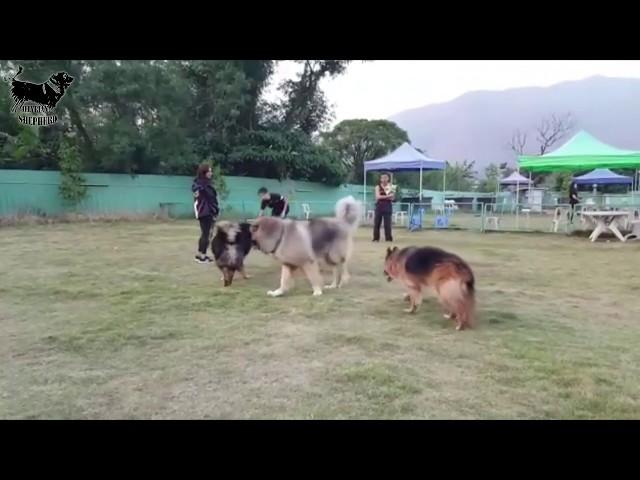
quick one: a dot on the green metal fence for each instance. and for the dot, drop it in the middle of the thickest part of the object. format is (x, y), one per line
(27, 192)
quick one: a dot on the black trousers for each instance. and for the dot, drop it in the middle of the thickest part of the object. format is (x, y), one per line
(277, 213)
(206, 223)
(381, 216)
(572, 212)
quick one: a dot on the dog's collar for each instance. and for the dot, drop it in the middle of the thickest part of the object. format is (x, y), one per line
(53, 86)
(277, 244)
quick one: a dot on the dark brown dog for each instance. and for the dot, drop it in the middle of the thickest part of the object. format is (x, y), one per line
(230, 245)
(447, 274)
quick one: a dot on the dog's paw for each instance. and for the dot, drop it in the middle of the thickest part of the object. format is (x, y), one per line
(317, 293)
(447, 316)
(275, 293)
(333, 285)
(247, 277)
(410, 310)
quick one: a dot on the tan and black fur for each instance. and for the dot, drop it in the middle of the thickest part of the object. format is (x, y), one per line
(446, 274)
(230, 245)
(307, 244)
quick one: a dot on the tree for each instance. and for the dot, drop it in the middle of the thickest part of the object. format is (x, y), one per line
(305, 106)
(562, 181)
(518, 142)
(166, 116)
(357, 141)
(460, 176)
(284, 154)
(72, 187)
(549, 132)
(492, 178)
(493, 174)
(553, 129)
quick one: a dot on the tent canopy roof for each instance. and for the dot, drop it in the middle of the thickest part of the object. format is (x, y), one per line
(404, 158)
(581, 152)
(514, 179)
(602, 176)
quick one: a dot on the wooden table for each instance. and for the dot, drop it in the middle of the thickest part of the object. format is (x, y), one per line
(606, 221)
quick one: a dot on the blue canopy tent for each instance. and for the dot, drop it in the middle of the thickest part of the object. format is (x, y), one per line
(602, 176)
(405, 158)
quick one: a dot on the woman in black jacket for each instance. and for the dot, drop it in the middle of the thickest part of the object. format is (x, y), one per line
(206, 209)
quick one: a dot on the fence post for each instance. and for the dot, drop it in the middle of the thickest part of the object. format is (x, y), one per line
(482, 214)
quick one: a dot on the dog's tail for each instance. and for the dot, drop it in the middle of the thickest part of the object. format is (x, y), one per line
(458, 295)
(9, 79)
(17, 73)
(349, 210)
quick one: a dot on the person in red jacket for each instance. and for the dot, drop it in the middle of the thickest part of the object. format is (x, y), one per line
(206, 209)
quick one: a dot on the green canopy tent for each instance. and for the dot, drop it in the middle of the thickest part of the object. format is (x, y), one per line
(581, 152)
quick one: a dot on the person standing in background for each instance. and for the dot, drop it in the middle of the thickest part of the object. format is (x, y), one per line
(385, 196)
(573, 199)
(206, 209)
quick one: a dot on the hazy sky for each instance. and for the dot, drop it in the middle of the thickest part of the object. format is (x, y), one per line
(381, 88)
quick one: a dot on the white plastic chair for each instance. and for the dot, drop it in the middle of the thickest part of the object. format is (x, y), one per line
(629, 219)
(400, 218)
(306, 210)
(634, 223)
(559, 218)
(492, 219)
(370, 216)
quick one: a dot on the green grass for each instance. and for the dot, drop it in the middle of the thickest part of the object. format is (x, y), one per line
(117, 321)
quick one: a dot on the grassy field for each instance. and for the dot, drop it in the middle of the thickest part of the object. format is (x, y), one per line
(110, 320)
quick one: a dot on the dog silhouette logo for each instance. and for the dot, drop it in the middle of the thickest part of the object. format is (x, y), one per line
(34, 102)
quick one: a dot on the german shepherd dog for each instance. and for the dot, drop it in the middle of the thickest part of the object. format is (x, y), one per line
(230, 245)
(447, 274)
(47, 94)
(307, 244)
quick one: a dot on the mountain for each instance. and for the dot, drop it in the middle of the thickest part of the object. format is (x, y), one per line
(478, 125)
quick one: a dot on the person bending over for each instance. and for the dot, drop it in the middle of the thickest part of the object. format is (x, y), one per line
(277, 203)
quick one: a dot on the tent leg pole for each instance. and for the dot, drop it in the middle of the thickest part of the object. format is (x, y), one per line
(444, 187)
(364, 195)
(444, 181)
(518, 201)
(420, 194)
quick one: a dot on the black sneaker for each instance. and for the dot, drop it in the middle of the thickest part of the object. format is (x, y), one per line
(204, 259)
